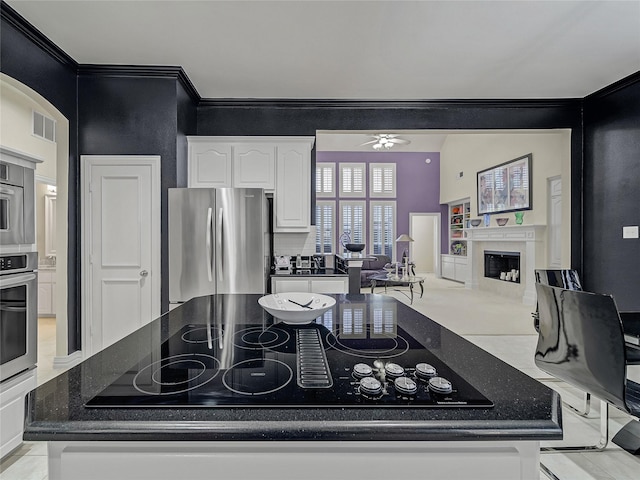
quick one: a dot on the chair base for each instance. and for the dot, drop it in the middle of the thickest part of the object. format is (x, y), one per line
(628, 437)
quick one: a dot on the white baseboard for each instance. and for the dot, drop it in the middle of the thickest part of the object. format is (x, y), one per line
(68, 361)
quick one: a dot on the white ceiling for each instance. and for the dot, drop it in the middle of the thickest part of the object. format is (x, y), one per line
(375, 50)
(393, 50)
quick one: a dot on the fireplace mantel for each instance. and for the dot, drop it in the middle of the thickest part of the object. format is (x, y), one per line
(529, 238)
(519, 233)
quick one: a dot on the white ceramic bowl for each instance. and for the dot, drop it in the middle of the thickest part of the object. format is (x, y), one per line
(281, 306)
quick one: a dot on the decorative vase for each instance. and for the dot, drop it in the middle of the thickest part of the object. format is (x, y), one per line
(519, 217)
(487, 219)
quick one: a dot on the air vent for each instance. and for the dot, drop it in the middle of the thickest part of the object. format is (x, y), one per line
(44, 127)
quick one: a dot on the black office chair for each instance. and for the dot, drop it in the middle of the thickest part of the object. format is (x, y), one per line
(569, 279)
(581, 342)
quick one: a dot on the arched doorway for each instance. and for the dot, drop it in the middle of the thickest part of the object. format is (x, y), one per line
(19, 102)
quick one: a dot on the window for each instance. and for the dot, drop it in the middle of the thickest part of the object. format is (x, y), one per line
(383, 228)
(352, 179)
(382, 182)
(352, 220)
(325, 226)
(325, 179)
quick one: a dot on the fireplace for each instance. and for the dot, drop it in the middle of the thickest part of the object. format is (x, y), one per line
(502, 265)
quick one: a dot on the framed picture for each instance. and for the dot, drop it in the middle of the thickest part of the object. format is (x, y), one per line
(505, 187)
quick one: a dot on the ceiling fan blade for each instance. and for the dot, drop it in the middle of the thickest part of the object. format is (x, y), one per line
(369, 143)
(400, 141)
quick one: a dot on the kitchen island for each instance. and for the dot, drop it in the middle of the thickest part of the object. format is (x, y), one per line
(98, 427)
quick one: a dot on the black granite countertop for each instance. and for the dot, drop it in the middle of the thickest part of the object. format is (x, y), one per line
(311, 272)
(524, 409)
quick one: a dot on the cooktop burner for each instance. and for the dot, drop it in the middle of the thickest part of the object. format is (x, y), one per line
(290, 366)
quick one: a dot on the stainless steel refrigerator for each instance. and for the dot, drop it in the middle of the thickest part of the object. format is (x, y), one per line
(219, 241)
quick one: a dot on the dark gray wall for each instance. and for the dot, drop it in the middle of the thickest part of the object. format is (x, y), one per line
(137, 115)
(33, 60)
(305, 117)
(612, 189)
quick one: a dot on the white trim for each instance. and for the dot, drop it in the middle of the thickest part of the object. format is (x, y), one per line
(86, 162)
(45, 180)
(68, 361)
(17, 157)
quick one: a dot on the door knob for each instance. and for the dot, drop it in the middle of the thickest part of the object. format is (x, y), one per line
(144, 273)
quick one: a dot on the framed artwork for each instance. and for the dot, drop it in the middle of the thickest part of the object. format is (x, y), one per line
(505, 187)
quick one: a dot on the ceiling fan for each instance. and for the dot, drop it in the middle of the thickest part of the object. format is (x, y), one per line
(385, 141)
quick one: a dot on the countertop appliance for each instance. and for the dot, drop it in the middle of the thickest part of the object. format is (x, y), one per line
(18, 313)
(219, 241)
(17, 224)
(230, 363)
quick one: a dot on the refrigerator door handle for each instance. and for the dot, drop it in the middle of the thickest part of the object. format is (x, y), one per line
(220, 254)
(208, 244)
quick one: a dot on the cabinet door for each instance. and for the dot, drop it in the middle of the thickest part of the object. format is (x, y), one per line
(448, 268)
(293, 188)
(210, 165)
(44, 299)
(280, 285)
(254, 166)
(334, 285)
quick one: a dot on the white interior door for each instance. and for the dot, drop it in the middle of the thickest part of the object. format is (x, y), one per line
(121, 246)
(424, 228)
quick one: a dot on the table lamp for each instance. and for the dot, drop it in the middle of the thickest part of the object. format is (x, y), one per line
(406, 239)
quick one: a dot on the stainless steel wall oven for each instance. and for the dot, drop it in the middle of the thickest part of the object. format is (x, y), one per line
(17, 225)
(18, 313)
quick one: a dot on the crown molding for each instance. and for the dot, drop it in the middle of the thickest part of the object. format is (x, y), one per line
(18, 22)
(614, 87)
(149, 71)
(385, 104)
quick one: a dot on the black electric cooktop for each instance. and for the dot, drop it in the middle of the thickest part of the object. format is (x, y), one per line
(290, 366)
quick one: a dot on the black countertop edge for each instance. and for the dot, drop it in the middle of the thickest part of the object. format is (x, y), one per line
(299, 431)
(313, 272)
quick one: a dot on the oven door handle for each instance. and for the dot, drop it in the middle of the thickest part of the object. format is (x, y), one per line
(13, 280)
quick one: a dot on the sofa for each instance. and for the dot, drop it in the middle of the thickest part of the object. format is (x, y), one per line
(372, 267)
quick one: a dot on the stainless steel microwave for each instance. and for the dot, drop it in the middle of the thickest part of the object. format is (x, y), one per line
(17, 209)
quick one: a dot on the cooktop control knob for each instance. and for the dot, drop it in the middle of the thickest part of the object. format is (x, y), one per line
(440, 385)
(405, 385)
(393, 370)
(426, 371)
(370, 386)
(362, 370)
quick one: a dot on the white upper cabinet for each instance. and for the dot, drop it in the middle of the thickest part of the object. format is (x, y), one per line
(293, 188)
(278, 164)
(254, 166)
(210, 163)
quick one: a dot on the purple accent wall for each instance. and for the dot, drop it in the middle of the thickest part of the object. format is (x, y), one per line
(417, 182)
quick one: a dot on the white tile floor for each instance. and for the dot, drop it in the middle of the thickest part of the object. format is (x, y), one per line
(501, 326)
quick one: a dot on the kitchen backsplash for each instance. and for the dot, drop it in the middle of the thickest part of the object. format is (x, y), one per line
(295, 243)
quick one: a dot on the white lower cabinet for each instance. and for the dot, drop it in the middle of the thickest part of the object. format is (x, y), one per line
(12, 393)
(46, 293)
(454, 267)
(331, 285)
(478, 460)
